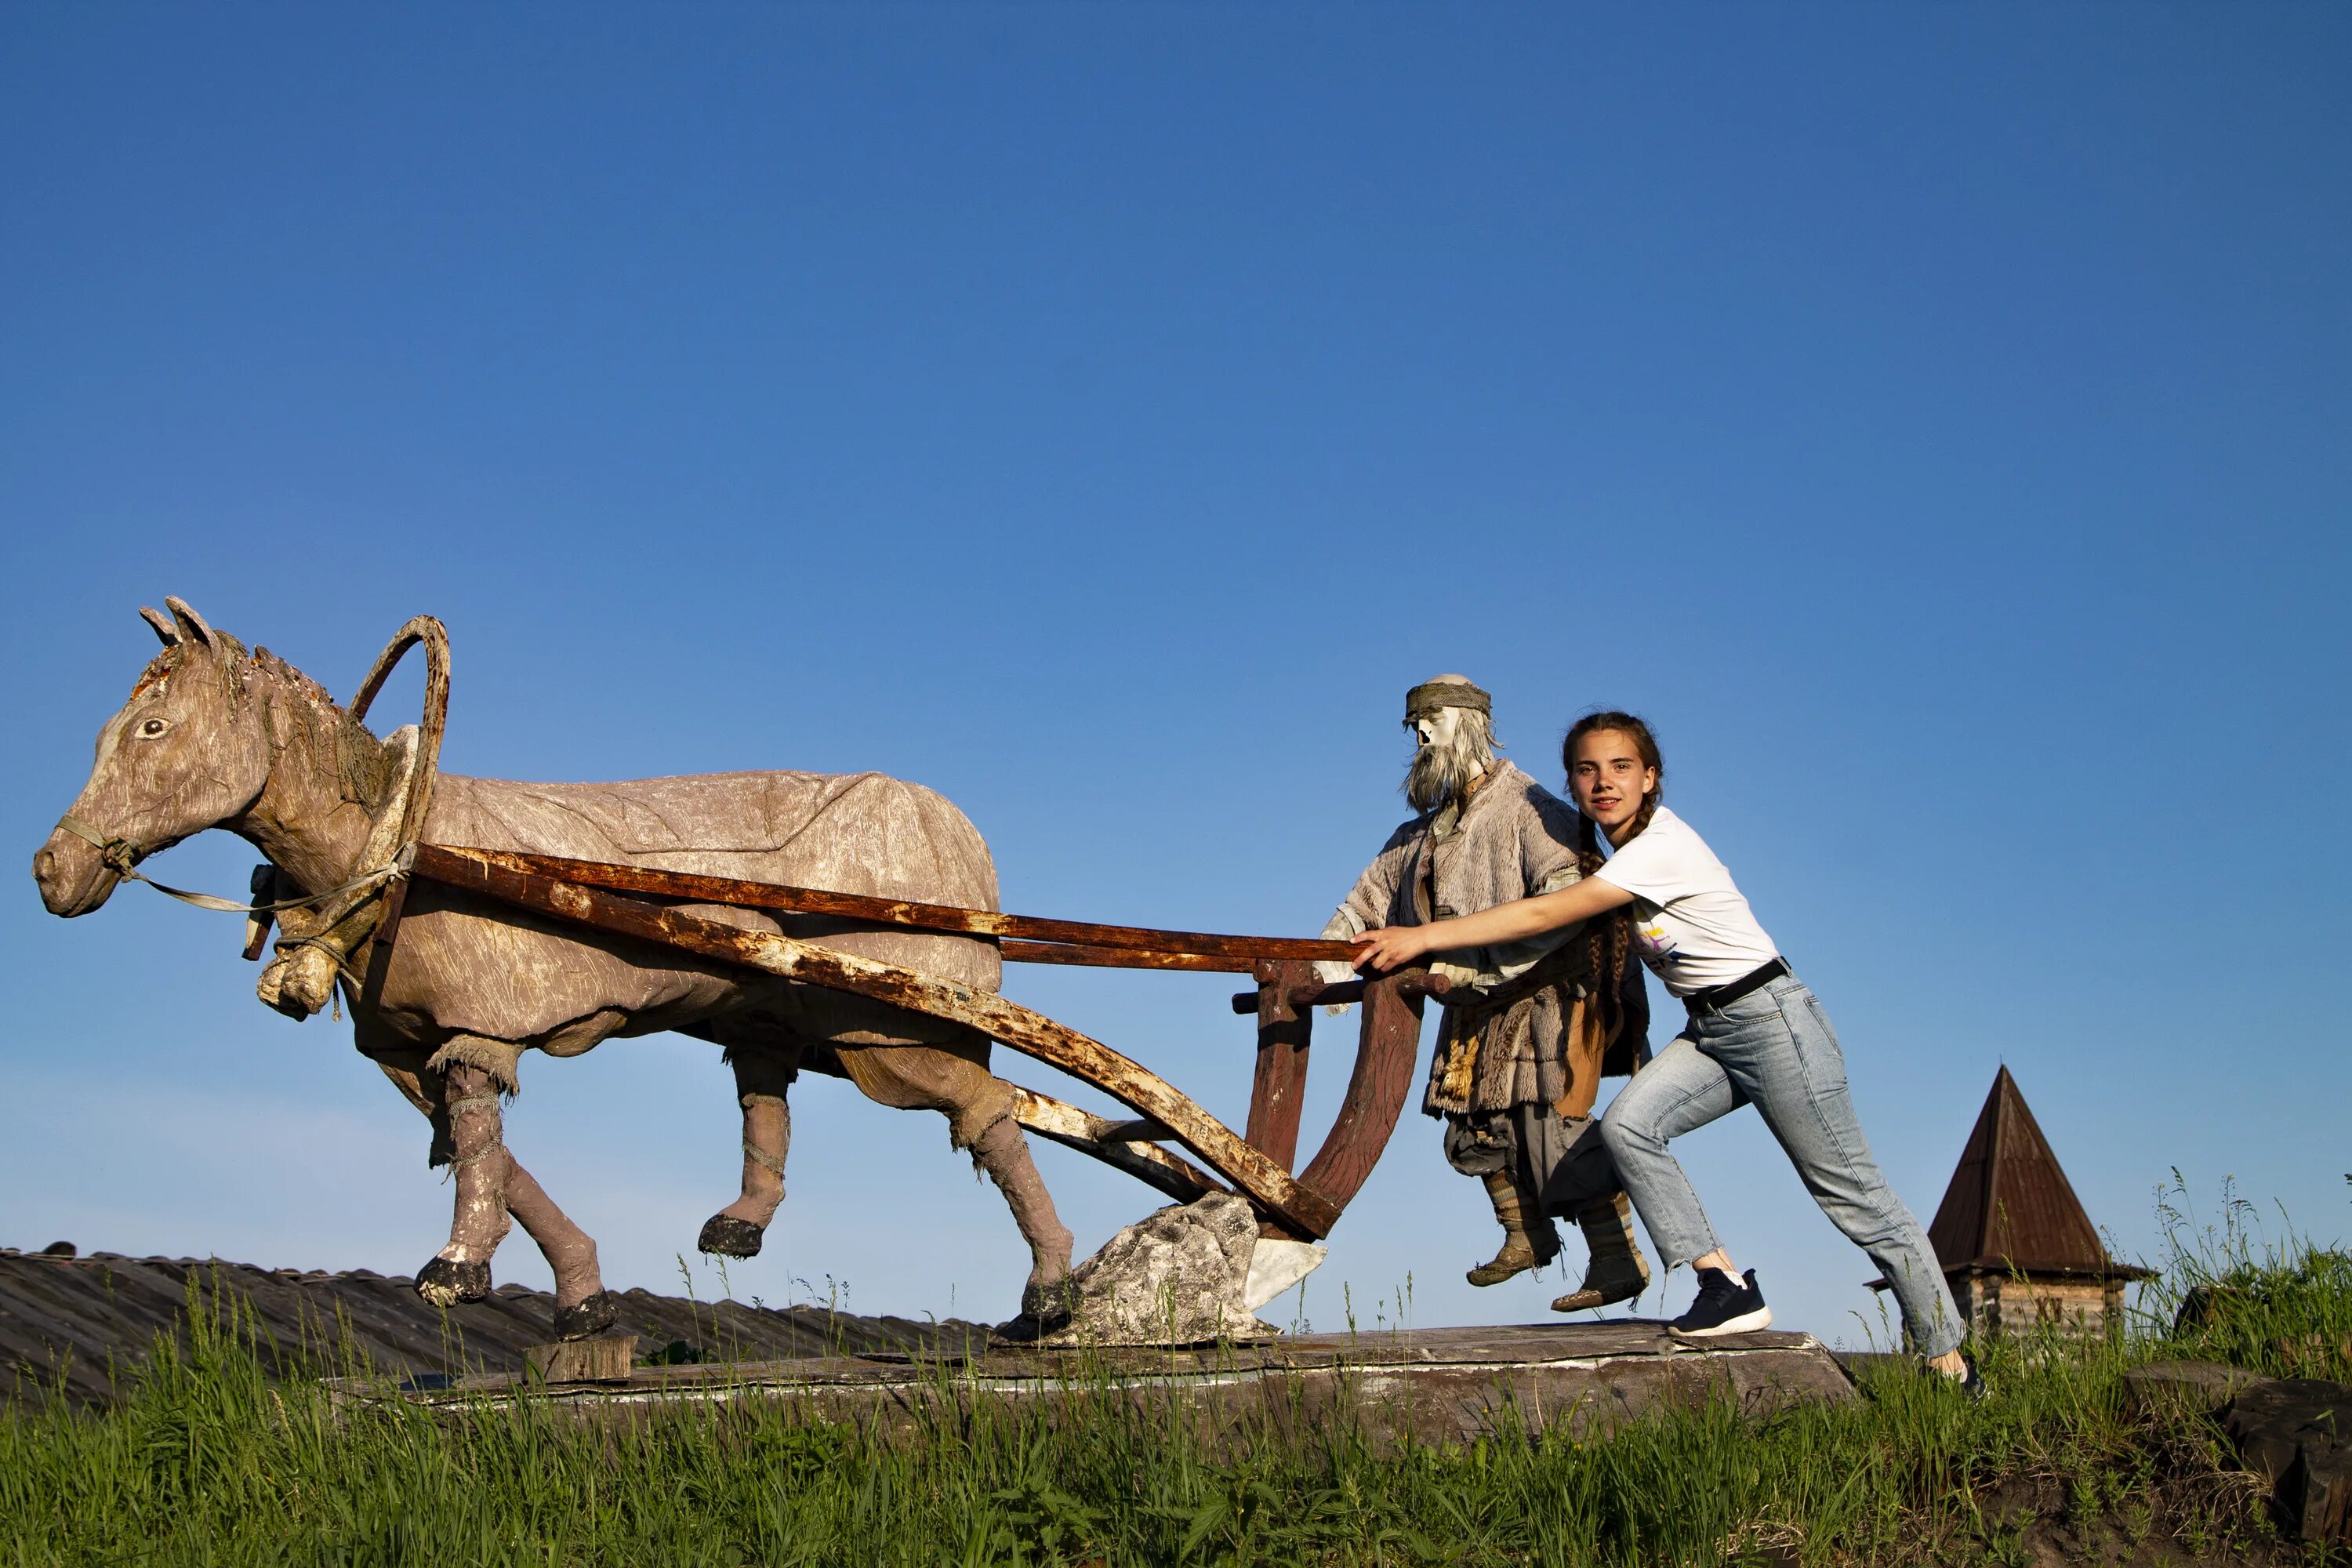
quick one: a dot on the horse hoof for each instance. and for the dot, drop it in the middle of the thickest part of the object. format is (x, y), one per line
(446, 1284)
(1049, 1304)
(589, 1319)
(728, 1236)
(1044, 1310)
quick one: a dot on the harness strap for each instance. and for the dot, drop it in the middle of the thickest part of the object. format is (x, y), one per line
(120, 856)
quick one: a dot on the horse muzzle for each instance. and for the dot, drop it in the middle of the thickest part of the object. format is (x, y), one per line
(73, 876)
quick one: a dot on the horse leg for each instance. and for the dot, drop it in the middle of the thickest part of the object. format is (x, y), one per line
(583, 1307)
(1002, 1151)
(460, 1271)
(762, 1080)
(954, 1080)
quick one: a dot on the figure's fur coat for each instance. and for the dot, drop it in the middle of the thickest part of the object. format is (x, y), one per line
(1511, 840)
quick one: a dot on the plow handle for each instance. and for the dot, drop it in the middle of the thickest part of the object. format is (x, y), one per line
(1415, 982)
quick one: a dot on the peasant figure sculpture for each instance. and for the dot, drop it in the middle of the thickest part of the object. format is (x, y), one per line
(1529, 1028)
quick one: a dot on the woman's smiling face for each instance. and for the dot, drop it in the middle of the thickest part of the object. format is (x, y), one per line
(1608, 778)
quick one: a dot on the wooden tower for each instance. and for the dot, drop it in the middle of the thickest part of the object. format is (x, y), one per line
(2012, 1236)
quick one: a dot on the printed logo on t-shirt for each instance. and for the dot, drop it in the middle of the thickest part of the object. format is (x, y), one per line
(1655, 946)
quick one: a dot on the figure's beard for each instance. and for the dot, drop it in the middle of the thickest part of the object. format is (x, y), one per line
(1440, 775)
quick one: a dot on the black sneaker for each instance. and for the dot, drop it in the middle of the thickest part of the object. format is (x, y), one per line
(1973, 1388)
(1725, 1306)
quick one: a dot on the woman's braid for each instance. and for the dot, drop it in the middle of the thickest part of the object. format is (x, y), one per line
(1610, 937)
(1605, 940)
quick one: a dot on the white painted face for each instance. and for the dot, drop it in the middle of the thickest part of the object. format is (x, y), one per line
(1442, 728)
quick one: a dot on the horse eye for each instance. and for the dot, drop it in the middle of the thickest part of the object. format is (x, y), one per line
(154, 727)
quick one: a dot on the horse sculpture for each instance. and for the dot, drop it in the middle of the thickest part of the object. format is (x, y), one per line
(214, 736)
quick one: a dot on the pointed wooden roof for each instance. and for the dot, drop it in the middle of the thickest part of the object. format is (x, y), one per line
(2010, 1207)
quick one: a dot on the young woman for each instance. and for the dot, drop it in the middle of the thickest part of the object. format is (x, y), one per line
(1756, 1035)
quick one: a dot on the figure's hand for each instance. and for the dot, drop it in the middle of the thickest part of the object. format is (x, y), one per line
(1391, 947)
(1458, 977)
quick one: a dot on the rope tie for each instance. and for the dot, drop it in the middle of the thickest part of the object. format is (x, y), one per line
(496, 1146)
(761, 1158)
(342, 960)
(473, 1102)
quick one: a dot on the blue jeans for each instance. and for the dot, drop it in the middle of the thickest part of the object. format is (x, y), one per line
(1773, 1048)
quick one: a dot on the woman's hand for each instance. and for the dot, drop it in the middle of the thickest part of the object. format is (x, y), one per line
(1391, 947)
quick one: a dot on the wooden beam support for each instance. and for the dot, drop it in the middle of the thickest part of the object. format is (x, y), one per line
(1278, 1086)
(1385, 1050)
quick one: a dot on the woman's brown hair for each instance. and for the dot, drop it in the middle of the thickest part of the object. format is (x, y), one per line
(1611, 936)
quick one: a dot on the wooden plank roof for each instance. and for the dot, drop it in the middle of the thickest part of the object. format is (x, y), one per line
(2010, 1206)
(72, 1324)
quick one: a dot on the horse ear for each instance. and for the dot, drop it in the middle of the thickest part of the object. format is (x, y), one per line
(191, 625)
(163, 629)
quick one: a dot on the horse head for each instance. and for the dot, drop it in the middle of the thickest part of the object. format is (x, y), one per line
(189, 750)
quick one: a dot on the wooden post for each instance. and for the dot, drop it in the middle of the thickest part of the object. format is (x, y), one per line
(1278, 1089)
(605, 1360)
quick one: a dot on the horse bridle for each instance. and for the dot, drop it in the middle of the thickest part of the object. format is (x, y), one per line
(121, 855)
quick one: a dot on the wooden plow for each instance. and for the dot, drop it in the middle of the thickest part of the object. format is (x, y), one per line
(1257, 1162)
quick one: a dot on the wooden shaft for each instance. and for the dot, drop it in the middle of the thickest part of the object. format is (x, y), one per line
(1084, 1130)
(1118, 957)
(1265, 1183)
(697, 890)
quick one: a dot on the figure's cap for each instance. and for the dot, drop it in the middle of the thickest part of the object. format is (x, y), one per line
(1446, 692)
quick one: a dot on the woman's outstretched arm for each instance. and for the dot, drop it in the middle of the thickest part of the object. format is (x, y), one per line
(1393, 947)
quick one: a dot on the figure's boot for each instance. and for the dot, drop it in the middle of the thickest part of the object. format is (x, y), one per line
(1529, 1239)
(1617, 1271)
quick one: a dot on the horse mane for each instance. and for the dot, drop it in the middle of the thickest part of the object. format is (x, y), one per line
(339, 743)
(362, 762)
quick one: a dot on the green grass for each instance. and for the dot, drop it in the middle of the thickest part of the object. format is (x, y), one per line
(2283, 1308)
(210, 1460)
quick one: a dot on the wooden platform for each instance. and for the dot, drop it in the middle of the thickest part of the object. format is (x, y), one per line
(1432, 1384)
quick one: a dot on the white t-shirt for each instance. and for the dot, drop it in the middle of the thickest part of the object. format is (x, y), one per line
(1691, 925)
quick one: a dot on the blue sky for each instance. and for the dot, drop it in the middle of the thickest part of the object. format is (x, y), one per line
(1934, 420)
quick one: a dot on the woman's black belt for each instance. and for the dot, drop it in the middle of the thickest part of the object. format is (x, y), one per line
(1733, 990)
